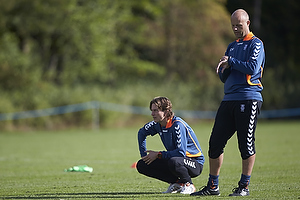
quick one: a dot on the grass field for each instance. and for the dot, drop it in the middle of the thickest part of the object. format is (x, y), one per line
(32, 164)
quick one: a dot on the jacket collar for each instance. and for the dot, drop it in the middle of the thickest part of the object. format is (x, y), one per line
(248, 37)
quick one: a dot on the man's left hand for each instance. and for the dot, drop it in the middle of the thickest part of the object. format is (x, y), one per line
(150, 157)
(223, 64)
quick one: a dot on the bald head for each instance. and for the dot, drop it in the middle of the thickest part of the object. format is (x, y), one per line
(241, 14)
(240, 23)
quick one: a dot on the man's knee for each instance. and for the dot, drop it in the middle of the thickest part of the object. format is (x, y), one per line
(215, 152)
(141, 166)
(247, 153)
(174, 162)
(216, 145)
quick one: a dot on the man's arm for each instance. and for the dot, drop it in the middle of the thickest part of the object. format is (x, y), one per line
(253, 63)
(223, 68)
(180, 142)
(148, 129)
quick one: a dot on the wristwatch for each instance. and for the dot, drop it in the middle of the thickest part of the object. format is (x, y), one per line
(159, 155)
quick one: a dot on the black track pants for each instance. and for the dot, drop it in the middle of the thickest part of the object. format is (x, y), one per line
(175, 169)
(235, 116)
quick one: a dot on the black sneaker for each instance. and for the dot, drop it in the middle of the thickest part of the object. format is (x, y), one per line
(242, 190)
(206, 190)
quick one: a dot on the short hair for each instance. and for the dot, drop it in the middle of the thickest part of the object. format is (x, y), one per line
(242, 13)
(163, 104)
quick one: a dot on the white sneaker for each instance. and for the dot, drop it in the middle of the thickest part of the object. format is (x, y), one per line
(188, 188)
(174, 188)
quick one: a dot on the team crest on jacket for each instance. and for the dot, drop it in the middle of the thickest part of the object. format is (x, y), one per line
(242, 108)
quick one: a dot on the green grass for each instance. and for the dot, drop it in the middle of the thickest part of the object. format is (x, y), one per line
(32, 164)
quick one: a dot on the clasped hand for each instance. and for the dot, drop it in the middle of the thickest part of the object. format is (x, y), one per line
(223, 64)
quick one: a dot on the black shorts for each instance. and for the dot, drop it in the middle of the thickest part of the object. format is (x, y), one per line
(235, 116)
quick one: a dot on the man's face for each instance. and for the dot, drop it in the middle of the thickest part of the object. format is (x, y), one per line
(158, 115)
(240, 26)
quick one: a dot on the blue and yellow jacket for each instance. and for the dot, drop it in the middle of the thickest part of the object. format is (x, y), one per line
(243, 78)
(178, 138)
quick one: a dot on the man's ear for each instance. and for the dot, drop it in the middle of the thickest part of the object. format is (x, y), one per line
(166, 112)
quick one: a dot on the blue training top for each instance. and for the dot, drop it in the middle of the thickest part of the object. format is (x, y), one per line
(178, 138)
(243, 78)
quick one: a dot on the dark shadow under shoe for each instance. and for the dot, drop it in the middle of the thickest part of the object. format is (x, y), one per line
(206, 190)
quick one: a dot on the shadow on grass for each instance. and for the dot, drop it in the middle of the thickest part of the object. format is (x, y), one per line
(100, 195)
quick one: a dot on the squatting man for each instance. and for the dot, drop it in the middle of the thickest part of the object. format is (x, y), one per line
(183, 158)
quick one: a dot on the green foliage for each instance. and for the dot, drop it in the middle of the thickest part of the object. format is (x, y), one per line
(17, 69)
(57, 53)
(33, 163)
(78, 42)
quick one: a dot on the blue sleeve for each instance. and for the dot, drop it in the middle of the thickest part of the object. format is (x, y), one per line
(254, 61)
(148, 129)
(179, 142)
(223, 76)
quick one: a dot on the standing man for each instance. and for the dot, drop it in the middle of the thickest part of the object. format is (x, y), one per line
(183, 158)
(241, 70)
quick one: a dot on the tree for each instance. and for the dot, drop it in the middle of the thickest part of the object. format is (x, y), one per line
(185, 38)
(69, 41)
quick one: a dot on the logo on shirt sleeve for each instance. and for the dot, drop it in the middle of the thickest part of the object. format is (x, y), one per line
(147, 126)
(177, 131)
(256, 50)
